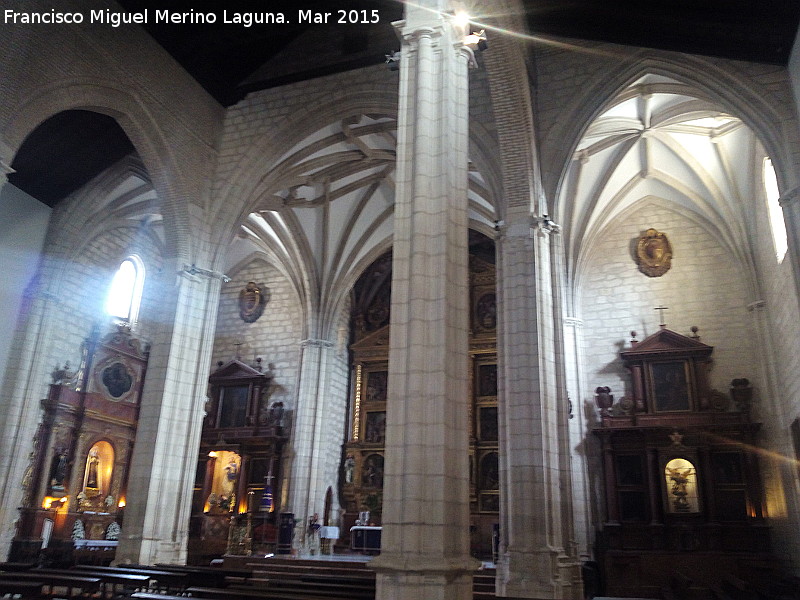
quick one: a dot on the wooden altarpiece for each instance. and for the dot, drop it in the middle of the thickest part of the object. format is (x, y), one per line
(681, 480)
(236, 492)
(75, 485)
(362, 468)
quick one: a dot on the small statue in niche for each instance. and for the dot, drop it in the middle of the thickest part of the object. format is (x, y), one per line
(349, 468)
(92, 466)
(654, 253)
(58, 470)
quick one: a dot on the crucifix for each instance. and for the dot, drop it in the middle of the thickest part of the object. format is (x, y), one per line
(662, 324)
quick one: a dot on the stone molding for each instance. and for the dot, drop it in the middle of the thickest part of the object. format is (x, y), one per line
(789, 198)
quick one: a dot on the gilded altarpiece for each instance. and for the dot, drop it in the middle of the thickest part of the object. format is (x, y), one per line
(362, 465)
(238, 480)
(75, 485)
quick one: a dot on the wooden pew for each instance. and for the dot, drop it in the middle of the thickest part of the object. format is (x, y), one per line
(110, 579)
(208, 576)
(23, 589)
(166, 580)
(86, 585)
(253, 594)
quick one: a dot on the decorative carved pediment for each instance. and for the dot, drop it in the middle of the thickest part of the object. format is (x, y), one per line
(235, 369)
(666, 342)
(372, 344)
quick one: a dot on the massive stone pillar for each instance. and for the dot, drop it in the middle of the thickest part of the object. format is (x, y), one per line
(164, 460)
(425, 545)
(25, 384)
(537, 556)
(313, 424)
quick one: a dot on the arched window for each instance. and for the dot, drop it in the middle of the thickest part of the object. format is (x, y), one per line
(125, 293)
(775, 211)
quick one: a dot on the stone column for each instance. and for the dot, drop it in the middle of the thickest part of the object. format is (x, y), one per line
(25, 385)
(536, 555)
(790, 202)
(164, 460)
(307, 481)
(425, 543)
(580, 436)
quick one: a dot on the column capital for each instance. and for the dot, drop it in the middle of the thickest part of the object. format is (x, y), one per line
(5, 171)
(195, 272)
(316, 343)
(543, 225)
(790, 197)
(5, 161)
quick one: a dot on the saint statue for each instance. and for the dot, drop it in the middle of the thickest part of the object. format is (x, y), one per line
(92, 466)
(349, 468)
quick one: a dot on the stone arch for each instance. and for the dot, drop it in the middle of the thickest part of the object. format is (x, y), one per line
(726, 83)
(146, 134)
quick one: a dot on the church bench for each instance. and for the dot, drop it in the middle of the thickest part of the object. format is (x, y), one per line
(157, 596)
(208, 576)
(231, 593)
(109, 579)
(90, 585)
(166, 580)
(329, 590)
(23, 589)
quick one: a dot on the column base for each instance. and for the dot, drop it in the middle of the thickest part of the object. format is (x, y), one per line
(541, 575)
(403, 577)
(135, 550)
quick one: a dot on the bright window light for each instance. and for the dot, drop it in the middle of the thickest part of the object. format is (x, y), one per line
(125, 292)
(775, 211)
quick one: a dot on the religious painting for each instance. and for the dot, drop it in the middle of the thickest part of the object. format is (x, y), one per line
(252, 300)
(630, 471)
(670, 386)
(375, 430)
(486, 312)
(116, 379)
(490, 503)
(654, 253)
(727, 468)
(488, 424)
(232, 411)
(489, 472)
(376, 386)
(372, 473)
(487, 380)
